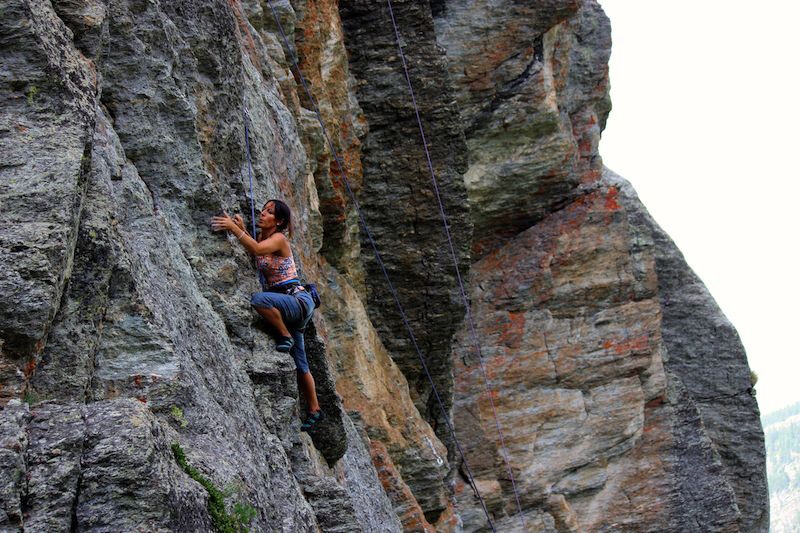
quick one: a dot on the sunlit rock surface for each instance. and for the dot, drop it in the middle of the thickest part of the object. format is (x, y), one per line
(595, 423)
(622, 392)
(531, 82)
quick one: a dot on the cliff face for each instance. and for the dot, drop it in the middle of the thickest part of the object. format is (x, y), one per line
(622, 392)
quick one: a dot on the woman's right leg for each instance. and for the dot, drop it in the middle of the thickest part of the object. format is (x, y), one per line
(280, 311)
(274, 318)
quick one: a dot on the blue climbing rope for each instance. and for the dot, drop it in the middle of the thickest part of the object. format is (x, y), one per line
(380, 262)
(467, 306)
(246, 120)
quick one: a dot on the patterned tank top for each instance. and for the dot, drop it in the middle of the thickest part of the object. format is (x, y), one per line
(277, 270)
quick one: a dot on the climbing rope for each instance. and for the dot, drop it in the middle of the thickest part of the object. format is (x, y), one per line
(246, 120)
(380, 263)
(471, 323)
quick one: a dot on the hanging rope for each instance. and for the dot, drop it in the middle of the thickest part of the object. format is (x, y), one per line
(455, 265)
(246, 119)
(381, 264)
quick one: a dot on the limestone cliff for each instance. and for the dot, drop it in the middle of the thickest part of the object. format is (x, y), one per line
(126, 337)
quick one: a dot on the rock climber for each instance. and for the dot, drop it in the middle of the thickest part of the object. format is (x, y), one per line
(284, 303)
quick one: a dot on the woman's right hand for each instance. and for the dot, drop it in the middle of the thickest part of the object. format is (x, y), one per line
(222, 222)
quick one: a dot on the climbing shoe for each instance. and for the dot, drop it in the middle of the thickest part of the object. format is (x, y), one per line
(284, 344)
(312, 420)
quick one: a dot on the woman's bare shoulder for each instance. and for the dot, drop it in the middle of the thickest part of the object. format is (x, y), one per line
(280, 244)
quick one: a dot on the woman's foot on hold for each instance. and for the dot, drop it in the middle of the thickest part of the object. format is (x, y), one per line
(312, 420)
(284, 344)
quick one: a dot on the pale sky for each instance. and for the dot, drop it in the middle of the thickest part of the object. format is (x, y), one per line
(705, 126)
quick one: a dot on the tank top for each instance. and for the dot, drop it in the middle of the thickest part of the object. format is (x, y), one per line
(277, 270)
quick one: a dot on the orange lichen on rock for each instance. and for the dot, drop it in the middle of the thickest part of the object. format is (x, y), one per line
(611, 199)
(403, 501)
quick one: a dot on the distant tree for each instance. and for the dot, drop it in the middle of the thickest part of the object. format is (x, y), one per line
(782, 441)
(780, 415)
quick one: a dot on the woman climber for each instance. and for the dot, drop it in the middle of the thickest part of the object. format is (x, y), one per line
(285, 305)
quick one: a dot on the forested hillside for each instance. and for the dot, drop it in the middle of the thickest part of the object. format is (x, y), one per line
(782, 433)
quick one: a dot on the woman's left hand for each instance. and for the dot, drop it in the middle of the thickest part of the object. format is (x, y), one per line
(239, 221)
(222, 222)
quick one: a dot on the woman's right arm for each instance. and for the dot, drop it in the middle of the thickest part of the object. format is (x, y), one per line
(274, 243)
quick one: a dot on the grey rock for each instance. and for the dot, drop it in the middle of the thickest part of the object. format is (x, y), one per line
(348, 496)
(104, 466)
(148, 339)
(706, 499)
(140, 316)
(13, 444)
(87, 21)
(705, 353)
(46, 117)
(400, 207)
(57, 435)
(371, 504)
(397, 196)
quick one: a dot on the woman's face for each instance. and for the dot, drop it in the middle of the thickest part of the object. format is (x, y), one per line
(267, 218)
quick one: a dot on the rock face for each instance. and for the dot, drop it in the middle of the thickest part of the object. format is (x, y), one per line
(140, 303)
(705, 353)
(398, 199)
(622, 393)
(532, 85)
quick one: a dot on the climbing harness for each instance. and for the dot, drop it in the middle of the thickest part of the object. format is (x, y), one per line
(470, 322)
(381, 264)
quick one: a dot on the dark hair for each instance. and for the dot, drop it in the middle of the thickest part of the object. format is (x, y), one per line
(283, 216)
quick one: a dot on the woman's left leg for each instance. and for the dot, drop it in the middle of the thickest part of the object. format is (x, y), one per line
(307, 386)
(305, 380)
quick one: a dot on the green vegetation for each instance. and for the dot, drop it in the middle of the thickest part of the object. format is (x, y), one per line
(243, 513)
(177, 415)
(30, 397)
(223, 522)
(33, 90)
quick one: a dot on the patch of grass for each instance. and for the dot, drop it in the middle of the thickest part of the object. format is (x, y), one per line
(177, 415)
(753, 378)
(30, 397)
(243, 513)
(33, 90)
(223, 522)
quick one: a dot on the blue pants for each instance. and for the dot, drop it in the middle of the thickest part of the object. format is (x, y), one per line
(296, 312)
